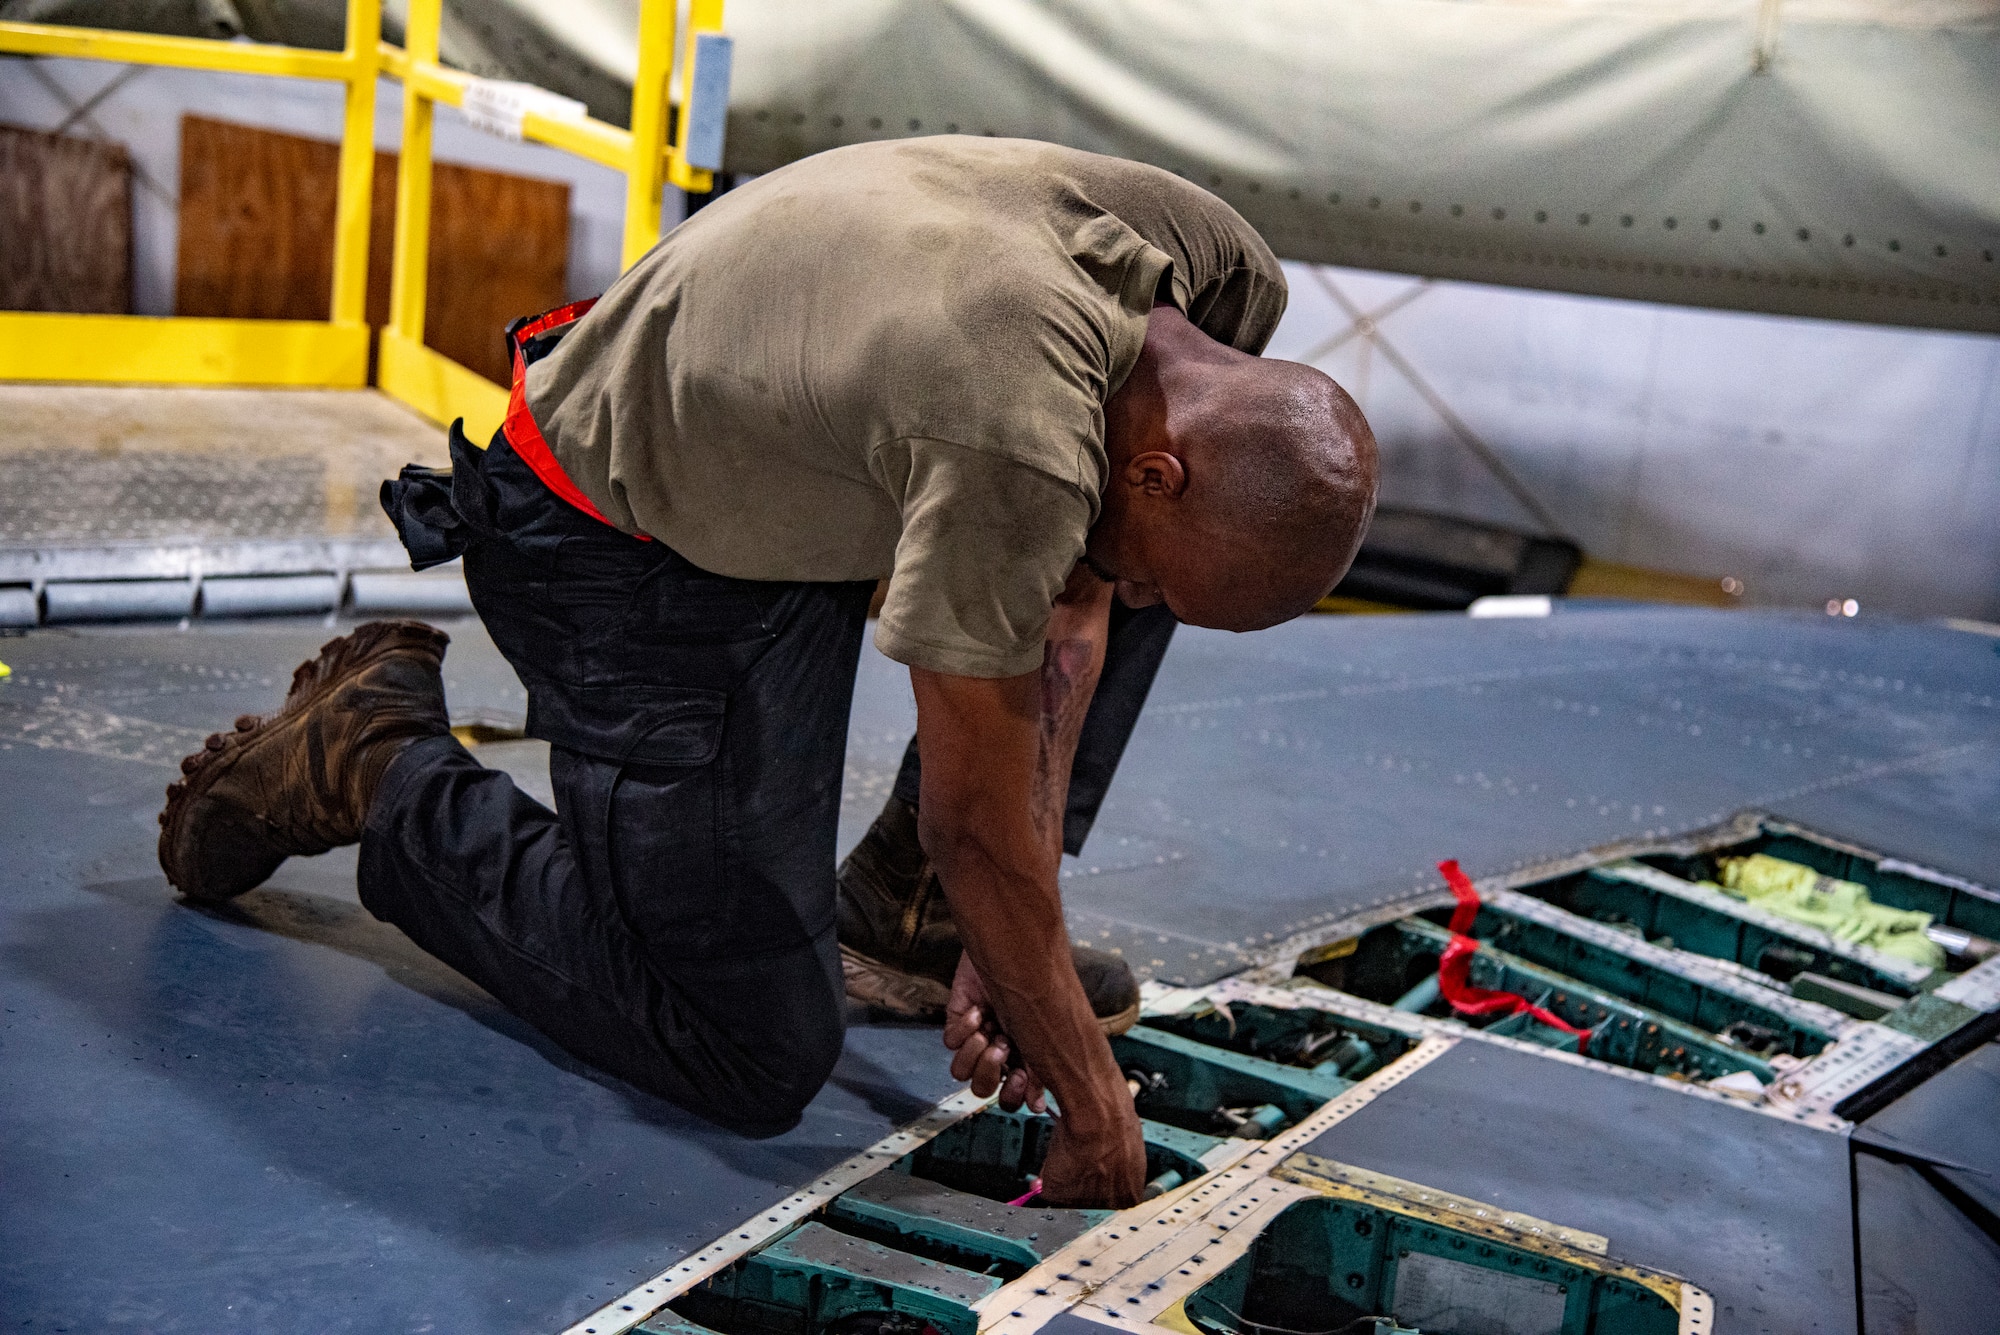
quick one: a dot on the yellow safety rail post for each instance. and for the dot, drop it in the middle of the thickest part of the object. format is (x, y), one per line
(649, 129)
(188, 351)
(352, 215)
(428, 381)
(704, 19)
(410, 265)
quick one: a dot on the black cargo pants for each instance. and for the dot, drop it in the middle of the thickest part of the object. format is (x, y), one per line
(672, 921)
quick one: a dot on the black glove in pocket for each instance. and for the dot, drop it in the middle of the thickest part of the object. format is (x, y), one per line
(440, 512)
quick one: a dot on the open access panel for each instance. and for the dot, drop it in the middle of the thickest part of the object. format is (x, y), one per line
(1331, 1147)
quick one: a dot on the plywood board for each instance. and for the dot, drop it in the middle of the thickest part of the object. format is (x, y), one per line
(256, 223)
(499, 249)
(66, 214)
(256, 239)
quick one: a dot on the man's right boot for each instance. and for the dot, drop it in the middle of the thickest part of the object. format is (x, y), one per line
(300, 781)
(899, 946)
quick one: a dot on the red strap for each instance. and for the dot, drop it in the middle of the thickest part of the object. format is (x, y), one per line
(1455, 969)
(519, 426)
(548, 320)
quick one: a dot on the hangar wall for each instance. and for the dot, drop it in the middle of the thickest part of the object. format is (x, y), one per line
(1812, 459)
(141, 108)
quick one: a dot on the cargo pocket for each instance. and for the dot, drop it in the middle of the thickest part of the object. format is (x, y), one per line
(671, 726)
(678, 603)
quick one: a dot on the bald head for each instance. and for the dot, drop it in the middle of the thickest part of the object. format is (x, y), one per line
(1239, 487)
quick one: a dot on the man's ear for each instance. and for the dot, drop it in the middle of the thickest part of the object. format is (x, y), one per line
(1156, 473)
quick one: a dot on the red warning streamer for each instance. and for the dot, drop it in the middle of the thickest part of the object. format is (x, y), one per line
(1455, 969)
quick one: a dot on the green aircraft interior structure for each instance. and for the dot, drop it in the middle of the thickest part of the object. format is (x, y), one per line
(1701, 994)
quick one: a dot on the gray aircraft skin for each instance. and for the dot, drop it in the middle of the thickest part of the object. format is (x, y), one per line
(279, 1115)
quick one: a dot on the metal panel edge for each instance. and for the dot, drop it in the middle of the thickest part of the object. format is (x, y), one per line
(629, 1309)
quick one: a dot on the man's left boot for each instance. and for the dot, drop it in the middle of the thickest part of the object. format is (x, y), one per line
(300, 781)
(899, 946)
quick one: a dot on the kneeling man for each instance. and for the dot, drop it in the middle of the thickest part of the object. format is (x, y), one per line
(1018, 381)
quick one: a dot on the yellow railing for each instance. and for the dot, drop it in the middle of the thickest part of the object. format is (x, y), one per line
(428, 381)
(44, 346)
(334, 352)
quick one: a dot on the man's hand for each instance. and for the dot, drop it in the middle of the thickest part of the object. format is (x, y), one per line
(1094, 1169)
(983, 1055)
(1081, 1168)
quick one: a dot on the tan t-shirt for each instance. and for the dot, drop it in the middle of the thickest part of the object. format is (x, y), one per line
(893, 358)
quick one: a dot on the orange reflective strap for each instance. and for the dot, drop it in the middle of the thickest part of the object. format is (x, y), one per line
(519, 425)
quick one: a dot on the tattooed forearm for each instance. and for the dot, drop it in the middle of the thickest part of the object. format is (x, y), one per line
(1071, 661)
(1069, 677)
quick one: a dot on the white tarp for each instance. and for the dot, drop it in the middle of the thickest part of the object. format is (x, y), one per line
(1819, 157)
(1813, 157)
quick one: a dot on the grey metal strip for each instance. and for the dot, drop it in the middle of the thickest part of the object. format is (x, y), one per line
(622, 1313)
(708, 102)
(157, 560)
(1917, 872)
(1857, 1060)
(1156, 999)
(1978, 987)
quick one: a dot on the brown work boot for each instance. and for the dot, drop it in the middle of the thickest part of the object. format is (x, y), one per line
(899, 947)
(299, 781)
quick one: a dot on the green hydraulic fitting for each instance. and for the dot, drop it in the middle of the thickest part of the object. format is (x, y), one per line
(1419, 998)
(1261, 1123)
